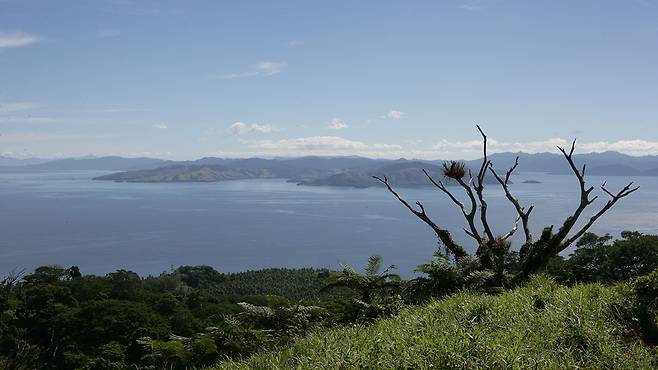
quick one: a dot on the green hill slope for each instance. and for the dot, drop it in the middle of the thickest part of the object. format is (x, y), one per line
(543, 325)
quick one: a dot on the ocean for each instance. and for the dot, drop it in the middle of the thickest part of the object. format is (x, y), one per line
(65, 218)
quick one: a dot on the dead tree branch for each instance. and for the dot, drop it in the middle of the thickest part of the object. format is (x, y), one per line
(585, 192)
(513, 231)
(479, 188)
(627, 190)
(443, 234)
(523, 214)
(470, 214)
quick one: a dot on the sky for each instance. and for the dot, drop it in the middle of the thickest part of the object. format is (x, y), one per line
(189, 79)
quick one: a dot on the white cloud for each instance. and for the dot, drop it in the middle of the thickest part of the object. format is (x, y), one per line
(161, 126)
(263, 69)
(295, 43)
(271, 68)
(146, 154)
(17, 39)
(15, 107)
(474, 147)
(29, 154)
(241, 128)
(318, 143)
(395, 115)
(337, 124)
(631, 147)
(495, 146)
(444, 149)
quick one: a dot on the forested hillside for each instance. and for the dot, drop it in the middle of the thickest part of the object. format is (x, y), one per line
(193, 316)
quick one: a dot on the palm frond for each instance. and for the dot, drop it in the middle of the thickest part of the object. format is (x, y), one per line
(347, 281)
(348, 269)
(374, 264)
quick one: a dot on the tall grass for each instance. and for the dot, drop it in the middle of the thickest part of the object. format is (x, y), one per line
(542, 325)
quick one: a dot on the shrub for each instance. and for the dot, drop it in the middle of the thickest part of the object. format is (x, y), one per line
(646, 295)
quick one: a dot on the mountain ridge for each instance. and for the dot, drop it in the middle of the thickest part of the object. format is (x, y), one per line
(346, 171)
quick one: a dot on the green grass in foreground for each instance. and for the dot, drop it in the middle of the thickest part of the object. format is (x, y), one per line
(542, 325)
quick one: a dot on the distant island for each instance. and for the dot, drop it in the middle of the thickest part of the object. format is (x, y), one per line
(346, 171)
(401, 172)
(531, 182)
(193, 173)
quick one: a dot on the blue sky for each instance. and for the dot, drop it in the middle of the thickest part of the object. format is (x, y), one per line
(186, 79)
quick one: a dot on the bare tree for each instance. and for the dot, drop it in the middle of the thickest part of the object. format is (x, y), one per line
(492, 248)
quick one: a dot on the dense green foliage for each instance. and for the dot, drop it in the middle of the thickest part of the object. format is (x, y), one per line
(542, 325)
(59, 319)
(194, 316)
(600, 258)
(291, 283)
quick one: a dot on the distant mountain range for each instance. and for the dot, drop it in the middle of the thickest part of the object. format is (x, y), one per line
(332, 171)
(400, 173)
(113, 163)
(19, 162)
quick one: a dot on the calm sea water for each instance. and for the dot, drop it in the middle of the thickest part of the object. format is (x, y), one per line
(65, 218)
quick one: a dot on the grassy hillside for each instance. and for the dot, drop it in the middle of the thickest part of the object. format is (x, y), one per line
(543, 325)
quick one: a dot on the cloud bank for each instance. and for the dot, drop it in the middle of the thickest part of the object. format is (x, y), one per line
(314, 143)
(635, 147)
(444, 149)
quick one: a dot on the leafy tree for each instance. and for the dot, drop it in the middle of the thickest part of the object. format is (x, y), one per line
(602, 259)
(199, 276)
(51, 275)
(125, 285)
(100, 322)
(90, 287)
(636, 254)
